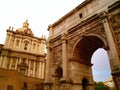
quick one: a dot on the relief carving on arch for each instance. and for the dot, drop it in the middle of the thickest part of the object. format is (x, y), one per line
(115, 23)
(57, 54)
(98, 29)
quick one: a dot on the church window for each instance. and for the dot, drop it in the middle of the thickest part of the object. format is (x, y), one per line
(25, 47)
(23, 66)
(26, 42)
(17, 43)
(9, 87)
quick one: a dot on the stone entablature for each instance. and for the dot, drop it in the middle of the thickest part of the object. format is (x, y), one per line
(85, 10)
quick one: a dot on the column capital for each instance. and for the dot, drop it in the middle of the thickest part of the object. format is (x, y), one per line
(48, 46)
(64, 37)
(50, 27)
(103, 15)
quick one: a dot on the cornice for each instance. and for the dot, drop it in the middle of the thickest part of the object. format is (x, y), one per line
(114, 6)
(55, 39)
(84, 22)
(22, 52)
(15, 33)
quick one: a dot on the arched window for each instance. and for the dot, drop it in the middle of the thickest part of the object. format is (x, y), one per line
(23, 67)
(17, 42)
(26, 43)
(59, 72)
(25, 47)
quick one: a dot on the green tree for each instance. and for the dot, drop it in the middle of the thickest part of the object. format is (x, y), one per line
(101, 86)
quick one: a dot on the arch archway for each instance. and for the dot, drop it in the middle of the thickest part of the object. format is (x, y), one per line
(73, 41)
(82, 55)
(57, 76)
(86, 47)
(59, 72)
(101, 65)
(84, 84)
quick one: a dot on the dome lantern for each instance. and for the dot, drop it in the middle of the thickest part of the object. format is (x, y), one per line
(25, 29)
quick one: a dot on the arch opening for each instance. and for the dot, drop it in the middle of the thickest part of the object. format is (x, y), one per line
(83, 53)
(59, 72)
(58, 75)
(84, 84)
(101, 66)
(85, 48)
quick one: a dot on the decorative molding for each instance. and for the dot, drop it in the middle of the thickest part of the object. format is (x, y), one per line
(114, 6)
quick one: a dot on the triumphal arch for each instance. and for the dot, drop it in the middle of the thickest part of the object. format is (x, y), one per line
(75, 37)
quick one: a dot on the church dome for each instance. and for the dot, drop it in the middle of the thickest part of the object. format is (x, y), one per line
(25, 29)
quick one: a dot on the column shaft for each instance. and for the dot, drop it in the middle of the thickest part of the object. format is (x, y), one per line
(34, 69)
(115, 62)
(64, 57)
(111, 42)
(42, 70)
(47, 79)
(16, 63)
(1, 60)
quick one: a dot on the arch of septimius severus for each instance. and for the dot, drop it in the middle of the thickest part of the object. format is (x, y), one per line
(75, 37)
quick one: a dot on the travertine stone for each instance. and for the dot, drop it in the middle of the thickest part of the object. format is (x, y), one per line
(76, 36)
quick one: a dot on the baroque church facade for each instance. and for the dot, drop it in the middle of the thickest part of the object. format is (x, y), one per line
(22, 60)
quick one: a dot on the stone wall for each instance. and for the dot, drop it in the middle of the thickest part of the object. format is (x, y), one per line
(16, 81)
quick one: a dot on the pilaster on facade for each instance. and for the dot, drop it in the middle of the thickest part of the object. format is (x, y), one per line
(4, 62)
(51, 31)
(8, 39)
(29, 65)
(34, 63)
(42, 72)
(10, 63)
(1, 61)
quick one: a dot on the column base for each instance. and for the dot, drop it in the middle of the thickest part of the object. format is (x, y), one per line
(64, 80)
(65, 84)
(48, 85)
(116, 77)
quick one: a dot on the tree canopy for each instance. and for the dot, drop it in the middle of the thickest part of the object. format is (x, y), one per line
(101, 86)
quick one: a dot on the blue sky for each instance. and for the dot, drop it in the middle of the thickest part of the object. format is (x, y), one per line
(101, 66)
(41, 13)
